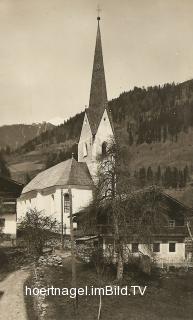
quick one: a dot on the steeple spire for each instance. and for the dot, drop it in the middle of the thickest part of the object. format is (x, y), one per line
(98, 92)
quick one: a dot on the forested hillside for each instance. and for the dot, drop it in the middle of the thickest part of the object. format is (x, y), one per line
(155, 125)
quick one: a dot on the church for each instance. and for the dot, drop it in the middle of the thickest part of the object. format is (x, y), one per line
(69, 184)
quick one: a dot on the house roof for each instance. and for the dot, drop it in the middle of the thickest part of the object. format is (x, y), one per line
(9, 187)
(183, 195)
(69, 172)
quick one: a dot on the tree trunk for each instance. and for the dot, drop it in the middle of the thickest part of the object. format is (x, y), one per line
(119, 267)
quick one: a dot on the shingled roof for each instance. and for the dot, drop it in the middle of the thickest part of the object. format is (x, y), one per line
(69, 172)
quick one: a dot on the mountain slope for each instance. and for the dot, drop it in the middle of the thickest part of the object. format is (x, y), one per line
(14, 136)
(154, 124)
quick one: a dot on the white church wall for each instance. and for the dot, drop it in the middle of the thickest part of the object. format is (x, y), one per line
(80, 199)
(104, 134)
(85, 142)
(50, 204)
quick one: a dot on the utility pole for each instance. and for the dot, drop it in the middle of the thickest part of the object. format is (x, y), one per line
(73, 251)
(62, 219)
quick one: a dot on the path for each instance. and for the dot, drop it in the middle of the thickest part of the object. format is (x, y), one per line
(12, 305)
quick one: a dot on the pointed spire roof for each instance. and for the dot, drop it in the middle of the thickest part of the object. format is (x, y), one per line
(98, 93)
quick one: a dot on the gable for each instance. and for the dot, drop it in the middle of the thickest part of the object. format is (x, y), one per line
(105, 131)
(86, 132)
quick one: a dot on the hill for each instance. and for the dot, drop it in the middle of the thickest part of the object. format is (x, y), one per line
(15, 135)
(155, 125)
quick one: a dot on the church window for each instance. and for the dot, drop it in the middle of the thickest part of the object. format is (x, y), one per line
(66, 202)
(52, 196)
(104, 148)
(85, 150)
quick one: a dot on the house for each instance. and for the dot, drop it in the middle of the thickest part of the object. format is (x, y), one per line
(50, 191)
(9, 192)
(170, 241)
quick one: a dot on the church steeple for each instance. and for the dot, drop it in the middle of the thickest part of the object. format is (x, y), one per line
(97, 128)
(98, 92)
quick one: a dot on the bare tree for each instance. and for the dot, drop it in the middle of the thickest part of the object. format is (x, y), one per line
(117, 205)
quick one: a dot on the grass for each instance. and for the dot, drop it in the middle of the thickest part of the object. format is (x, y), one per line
(29, 302)
(168, 298)
(11, 259)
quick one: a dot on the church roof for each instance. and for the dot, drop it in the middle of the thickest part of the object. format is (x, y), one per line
(98, 93)
(69, 172)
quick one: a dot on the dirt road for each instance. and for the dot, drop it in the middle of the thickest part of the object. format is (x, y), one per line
(12, 306)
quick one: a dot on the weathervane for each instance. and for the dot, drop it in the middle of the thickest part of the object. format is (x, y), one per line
(98, 11)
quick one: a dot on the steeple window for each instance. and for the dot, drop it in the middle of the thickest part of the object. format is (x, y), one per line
(85, 149)
(104, 148)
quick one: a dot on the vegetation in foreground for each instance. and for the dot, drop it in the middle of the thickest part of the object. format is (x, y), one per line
(168, 297)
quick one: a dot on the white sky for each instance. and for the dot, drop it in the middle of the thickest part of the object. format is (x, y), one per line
(47, 48)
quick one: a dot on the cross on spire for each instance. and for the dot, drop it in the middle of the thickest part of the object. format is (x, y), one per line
(98, 11)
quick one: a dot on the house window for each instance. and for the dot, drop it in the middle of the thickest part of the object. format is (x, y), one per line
(171, 223)
(85, 150)
(2, 222)
(156, 247)
(135, 247)
(9, 206)
(66, 202)
(104, 148)
(172, 247)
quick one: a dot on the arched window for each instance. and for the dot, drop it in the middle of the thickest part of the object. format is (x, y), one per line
(104, 148)
(66, 202)
(85, 149)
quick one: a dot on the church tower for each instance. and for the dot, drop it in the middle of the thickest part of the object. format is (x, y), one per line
(97, 128)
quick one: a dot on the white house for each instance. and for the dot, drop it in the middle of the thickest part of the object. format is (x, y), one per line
(9, 191)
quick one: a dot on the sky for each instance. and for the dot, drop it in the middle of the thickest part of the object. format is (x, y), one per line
(47, 50)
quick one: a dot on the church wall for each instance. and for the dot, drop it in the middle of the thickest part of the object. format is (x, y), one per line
(80, 199)
(50, 204)
(104, 134)
(85, 142)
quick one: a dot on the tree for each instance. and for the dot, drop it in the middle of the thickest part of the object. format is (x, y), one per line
(158, 175)
(149, 175)
(116, 205)
(4, 171)
(142, 176)
(37, 229)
